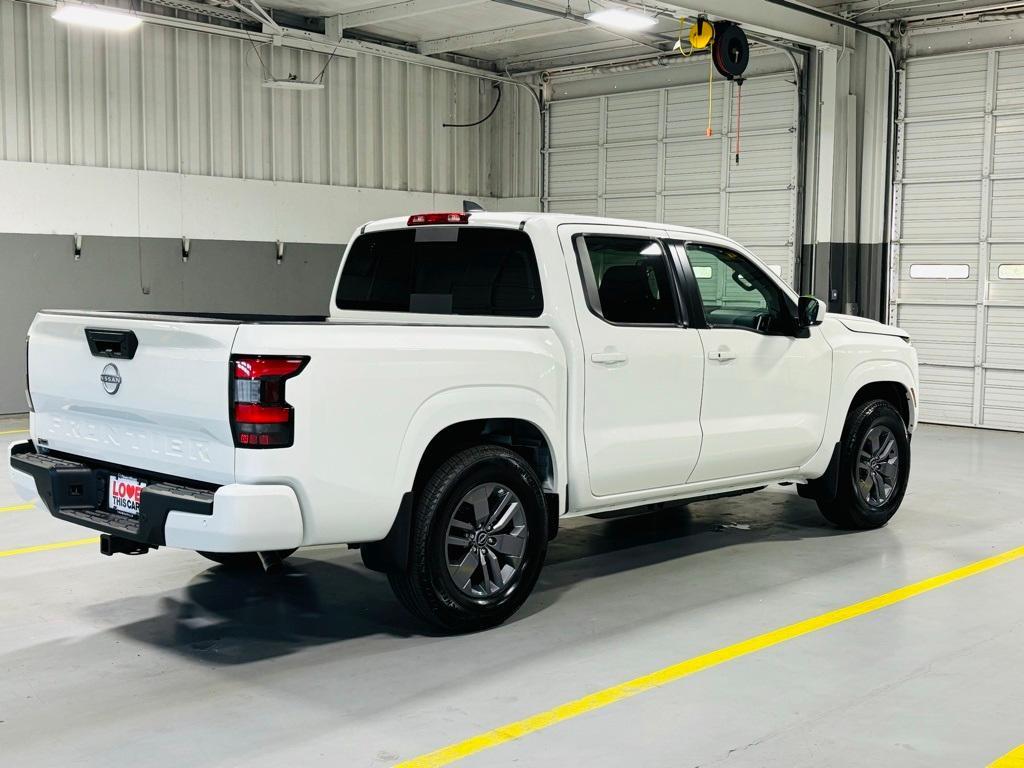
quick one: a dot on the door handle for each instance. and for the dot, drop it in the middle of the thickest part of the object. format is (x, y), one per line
(722, 354)
(609, 358)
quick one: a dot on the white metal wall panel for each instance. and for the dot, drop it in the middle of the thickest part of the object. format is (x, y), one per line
(959, 234)
(575, 123)
(639, 208)
(692, 165)
(1001, 397)
(1009, 145)
(702, 211)
(573, 174)
(633, 117)
(1010, 83)
(1007, 209)
(687, 110)
(926, 154)
(936, 87)
(581, 207)
(645, 155)
(630, 168)
(183, 101)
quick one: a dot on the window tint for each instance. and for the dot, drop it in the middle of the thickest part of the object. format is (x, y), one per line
(442, 271)
(627, 279)
(735, 292)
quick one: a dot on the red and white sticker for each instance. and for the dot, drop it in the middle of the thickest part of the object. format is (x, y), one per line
(125, 495)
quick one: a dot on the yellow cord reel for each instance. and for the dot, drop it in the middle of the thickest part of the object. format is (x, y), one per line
(701, 36)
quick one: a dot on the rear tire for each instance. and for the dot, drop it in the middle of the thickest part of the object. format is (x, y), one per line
(874, 466)
(479, 538)
(241, 560)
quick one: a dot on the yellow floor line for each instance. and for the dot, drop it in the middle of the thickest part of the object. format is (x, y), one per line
(1013, 759)
(48, 547)
(630, 688)
(17, 508)
(14, 432)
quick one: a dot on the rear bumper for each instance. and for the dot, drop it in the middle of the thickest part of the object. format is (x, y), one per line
(173, 512)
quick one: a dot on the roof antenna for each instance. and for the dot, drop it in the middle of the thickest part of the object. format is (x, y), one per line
(468, 206)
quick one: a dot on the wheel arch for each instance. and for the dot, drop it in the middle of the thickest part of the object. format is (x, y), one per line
(894, 392)
(513, 416)
(519, 419)
(890, 380)
(520, 435)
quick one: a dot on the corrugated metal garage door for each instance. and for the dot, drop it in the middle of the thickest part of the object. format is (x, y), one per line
(644, 155)
(958, 254)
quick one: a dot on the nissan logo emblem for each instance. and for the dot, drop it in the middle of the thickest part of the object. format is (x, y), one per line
(110, 377)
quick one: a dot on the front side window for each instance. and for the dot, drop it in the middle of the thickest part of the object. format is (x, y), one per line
(735, 292)
(627, 279)
(443, 271)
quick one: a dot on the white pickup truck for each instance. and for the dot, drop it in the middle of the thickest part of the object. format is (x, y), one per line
(480, 376)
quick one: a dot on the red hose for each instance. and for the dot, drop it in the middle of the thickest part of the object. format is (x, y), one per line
(739, 88)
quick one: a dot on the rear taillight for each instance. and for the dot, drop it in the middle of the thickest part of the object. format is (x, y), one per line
(437, 218)
(260, 415)
(28, 383)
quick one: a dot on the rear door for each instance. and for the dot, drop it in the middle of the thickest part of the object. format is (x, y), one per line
(643, 365)
(161, 407)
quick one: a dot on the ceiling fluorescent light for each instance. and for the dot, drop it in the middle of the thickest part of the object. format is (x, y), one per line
(622, 18)
(292, 84)
(96, 17)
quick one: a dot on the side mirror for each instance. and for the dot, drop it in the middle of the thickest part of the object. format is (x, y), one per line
(810, 311)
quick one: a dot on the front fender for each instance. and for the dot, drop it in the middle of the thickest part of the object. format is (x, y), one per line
(846, 388)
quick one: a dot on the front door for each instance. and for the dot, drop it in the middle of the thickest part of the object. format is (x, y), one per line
(643, 365)
(766, 383)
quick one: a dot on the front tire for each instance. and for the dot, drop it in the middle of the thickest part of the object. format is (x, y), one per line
(479, 538)
(874, 466)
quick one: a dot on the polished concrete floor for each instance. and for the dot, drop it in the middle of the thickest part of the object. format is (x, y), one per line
(166, 660)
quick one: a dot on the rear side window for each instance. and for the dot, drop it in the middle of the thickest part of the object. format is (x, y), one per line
(627, 279)
(443, 271)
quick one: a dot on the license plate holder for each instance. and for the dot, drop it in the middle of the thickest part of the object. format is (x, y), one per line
(124, 495)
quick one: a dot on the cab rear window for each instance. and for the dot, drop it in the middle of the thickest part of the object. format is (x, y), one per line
(442, 271)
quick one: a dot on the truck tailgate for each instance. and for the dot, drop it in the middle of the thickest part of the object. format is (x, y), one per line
(164, 410)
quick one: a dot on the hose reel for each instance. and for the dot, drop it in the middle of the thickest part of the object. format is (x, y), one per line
(730, 55)
(731, 51)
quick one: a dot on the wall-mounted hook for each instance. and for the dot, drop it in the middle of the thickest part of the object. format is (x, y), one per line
(280, 251)
(78, 247)
(186, 246)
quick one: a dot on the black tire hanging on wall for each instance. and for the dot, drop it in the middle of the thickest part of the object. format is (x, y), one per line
(479, 538)
(874, 465)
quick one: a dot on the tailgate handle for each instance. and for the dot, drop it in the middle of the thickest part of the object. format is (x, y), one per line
(105, 342)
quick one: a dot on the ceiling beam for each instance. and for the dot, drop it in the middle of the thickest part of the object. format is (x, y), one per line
(495, 37)
(769, 19)
(395, 11)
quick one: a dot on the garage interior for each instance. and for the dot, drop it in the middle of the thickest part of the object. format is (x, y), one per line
(219, 155)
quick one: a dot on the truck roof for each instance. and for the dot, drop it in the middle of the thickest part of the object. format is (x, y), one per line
(515, 218)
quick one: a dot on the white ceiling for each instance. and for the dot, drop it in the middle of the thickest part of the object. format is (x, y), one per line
(538, 37)
(535, 39)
